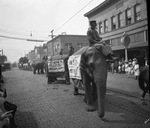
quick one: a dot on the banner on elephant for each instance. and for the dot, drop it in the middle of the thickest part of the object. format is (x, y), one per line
(56, 66)
(74, 66)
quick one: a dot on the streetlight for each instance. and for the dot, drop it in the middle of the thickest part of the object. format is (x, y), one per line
(125, 40)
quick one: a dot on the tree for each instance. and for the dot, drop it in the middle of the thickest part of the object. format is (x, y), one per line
(3, 58)
(23, 60)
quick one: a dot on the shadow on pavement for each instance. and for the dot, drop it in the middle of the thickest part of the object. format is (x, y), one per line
(25, 120)
(121, 110)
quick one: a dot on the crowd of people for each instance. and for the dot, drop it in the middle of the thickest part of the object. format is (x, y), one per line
(130, 67)
(7, 109)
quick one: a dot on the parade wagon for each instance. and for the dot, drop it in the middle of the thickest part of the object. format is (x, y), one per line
(56, 67)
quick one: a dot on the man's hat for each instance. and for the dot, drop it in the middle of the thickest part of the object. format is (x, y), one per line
(93, 21)
(134, 59)
(130, 60)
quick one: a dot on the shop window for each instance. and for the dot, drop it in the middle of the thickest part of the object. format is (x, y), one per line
(137, 10)
(128, 16)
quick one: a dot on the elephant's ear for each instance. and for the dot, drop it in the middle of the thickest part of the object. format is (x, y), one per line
(98, 47)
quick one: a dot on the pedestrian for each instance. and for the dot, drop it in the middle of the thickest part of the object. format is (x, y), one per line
(119, 67)
(130, 68)
(94, 38)
(71, 50)
(134, 61)
(122, 65)
(112, 67)
(4, 116)
(146, 61)
(136, 70)
(126, 67)
(7, 106)
(67, 76)
(116, 66)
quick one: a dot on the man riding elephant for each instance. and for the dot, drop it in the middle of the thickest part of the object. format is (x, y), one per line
(94, 65)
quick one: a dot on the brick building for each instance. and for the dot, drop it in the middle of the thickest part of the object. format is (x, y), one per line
(63, 42)
(114, 17)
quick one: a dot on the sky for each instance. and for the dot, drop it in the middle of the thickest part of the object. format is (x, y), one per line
(20, 18)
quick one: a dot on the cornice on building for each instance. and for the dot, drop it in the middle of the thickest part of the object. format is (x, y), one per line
(100, 7)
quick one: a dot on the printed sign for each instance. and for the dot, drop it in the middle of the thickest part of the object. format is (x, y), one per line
(74, 66)
(56, 66)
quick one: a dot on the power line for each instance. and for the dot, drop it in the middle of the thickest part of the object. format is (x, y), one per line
(73, 16)
(6, 32)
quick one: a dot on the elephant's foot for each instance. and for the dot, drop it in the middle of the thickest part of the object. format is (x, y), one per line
(75, 91)
(101, 115)
(67, 83)
(85, 99)
(90, 108)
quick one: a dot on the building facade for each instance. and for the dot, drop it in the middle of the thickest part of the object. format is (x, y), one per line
(37, 54)
(63, 42)
(114, 17)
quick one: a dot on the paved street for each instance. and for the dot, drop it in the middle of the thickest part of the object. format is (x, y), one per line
(54, 106)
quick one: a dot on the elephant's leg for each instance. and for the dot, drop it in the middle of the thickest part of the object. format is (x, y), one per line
(49, 80)
(54, 79)
(76, 91)
(38, 71)
(145, 90)
(88, 91)
(94, 90)
(67, 78)
(34, 70)
(101, 90)
(42, 71)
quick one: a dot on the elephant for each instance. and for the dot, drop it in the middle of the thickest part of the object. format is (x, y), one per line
(94, 77)
(38, 67)
(143, 78)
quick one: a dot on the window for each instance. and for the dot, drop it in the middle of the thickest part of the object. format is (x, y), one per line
(68, 45)
(57, 48)
(113, 21)
(120, 20)
(105, 25)
(100, 27)
(137, 9)
(128, 16)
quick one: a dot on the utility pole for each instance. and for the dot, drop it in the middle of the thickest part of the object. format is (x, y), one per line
(52, 33)
(1, 50)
